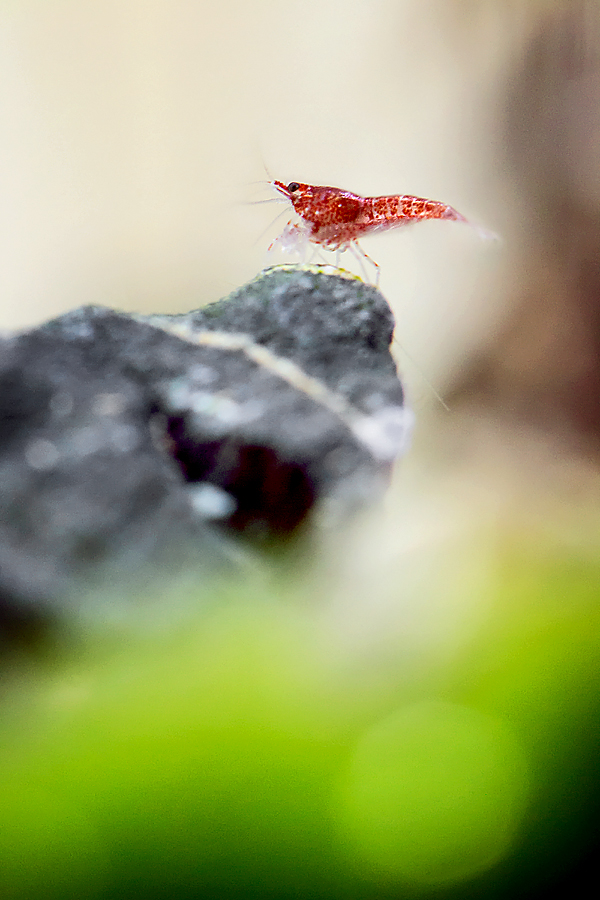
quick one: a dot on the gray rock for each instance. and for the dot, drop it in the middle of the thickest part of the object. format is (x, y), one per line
(132, 443)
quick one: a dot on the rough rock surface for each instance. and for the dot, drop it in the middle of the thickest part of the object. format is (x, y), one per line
(129, 442)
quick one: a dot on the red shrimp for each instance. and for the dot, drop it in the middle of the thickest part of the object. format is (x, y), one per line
(336, 219)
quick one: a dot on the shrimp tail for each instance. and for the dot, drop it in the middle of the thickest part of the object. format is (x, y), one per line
(453, 215)
(484, 233)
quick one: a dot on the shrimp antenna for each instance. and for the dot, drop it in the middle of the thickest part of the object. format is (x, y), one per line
(427, 382)
(270, 225)
(269, 200)
(268, 174)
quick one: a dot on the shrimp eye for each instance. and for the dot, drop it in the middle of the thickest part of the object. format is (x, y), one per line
(293, 186)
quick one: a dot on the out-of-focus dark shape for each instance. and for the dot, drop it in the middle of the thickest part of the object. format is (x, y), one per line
(544, 367)
(127, 439)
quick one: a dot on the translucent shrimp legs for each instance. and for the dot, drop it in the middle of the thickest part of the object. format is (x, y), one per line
(336, 219)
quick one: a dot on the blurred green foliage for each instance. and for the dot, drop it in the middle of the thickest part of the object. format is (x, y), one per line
(242, 756)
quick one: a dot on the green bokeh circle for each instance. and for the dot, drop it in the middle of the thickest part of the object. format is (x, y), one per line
(433, 794)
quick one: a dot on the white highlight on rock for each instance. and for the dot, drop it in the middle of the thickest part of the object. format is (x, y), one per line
(387, 433)
(42, 454)
(211, 502)
(109, 404)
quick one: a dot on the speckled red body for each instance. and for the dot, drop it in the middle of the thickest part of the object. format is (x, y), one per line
(338, 218)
